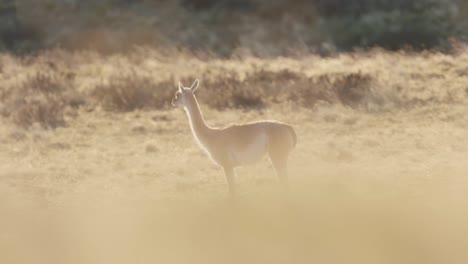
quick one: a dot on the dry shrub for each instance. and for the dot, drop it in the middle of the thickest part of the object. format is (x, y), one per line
(130, 92)
(230, 92)
(353, 88)
(256, 90)
(42, 98)
(262, 88)
(349, 89)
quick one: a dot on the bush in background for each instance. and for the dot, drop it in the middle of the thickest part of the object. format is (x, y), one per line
(389, 24)
(264, 88)
(41, 99)
(230, 27)
(131, 91)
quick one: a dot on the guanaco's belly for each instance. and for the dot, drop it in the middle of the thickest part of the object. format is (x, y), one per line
(237, 152)
(251, 153)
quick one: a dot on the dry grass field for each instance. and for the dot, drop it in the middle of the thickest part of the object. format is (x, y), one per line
(96, 167)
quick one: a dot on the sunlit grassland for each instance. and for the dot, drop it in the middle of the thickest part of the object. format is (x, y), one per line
(378, 175)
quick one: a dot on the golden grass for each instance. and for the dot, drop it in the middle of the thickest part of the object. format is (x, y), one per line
(378, 176)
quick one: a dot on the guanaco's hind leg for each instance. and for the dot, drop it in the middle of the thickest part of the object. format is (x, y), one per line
(281, 142)
(230, 174)
(279, 162)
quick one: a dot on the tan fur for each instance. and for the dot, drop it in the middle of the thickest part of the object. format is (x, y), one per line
(238, 145)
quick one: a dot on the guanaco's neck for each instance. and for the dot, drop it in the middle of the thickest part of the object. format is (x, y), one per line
(199, 127)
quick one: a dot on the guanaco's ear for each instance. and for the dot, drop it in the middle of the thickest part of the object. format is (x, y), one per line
(181, 87)
(194, 85)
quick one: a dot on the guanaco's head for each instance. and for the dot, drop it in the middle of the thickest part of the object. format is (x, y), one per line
(183, 95)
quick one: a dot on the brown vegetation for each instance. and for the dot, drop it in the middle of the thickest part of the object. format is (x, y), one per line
(47, 91)
(132, 92)
(42, 98)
